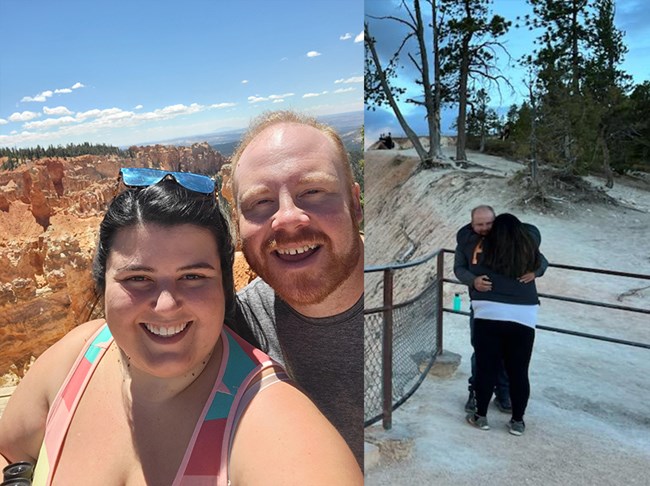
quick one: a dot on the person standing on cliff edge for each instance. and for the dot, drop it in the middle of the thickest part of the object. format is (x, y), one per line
(298, 212)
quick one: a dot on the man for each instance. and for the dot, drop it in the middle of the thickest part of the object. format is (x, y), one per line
(468, 247)
(298, 211)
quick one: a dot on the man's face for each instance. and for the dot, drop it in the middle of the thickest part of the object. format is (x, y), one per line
(298, 218)
(482, 221)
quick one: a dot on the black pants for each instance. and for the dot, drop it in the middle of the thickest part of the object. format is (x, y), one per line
(511, 342)
(501, 387)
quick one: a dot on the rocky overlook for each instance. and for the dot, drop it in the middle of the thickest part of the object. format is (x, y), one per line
(50, 211)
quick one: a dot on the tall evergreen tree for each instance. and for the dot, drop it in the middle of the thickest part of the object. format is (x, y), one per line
(470, 54)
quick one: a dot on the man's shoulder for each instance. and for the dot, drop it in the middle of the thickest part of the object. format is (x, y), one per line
(465, 234)
(534, 232)
(257, 301)
(254, 290)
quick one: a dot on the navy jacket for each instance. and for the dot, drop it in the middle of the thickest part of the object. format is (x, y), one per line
(468, 265)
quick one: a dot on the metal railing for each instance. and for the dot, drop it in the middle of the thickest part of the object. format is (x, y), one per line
(402, 340)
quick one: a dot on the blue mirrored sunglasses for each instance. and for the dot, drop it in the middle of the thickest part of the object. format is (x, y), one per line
(144, 177)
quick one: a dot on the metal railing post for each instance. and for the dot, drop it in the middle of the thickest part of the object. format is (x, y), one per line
(387, 360)
(440, 276)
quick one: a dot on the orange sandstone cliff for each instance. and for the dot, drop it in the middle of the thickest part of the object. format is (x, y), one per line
(50, 210)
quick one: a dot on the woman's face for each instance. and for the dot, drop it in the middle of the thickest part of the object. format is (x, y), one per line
(164, 297)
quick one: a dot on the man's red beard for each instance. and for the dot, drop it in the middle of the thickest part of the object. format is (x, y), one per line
(309, 285)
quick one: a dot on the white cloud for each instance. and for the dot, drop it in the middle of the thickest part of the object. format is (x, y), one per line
(165, 113)
(40, 97)
(359, 38)
(3, 121)
(82, 115)
(138, 107)
(24, 116)
(223, 105)
(173, 109)
(284, 59)
(354, 79)
(313, 54)
(310, 95)
(244, 81)
(278, 101)
(92, 122)
(15, 137)
(346, 36)
(97, 113)
(344, 90)
(58, 111)
(49, 122)
(258, 99)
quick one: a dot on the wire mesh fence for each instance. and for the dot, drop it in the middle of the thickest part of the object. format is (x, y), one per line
(414, 345)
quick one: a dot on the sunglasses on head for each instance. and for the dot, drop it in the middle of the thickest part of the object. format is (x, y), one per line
(144, 177)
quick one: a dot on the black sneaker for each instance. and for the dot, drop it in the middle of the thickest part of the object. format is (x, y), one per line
(470, 405)
(503, 404)
(516, 427)
(477, 421)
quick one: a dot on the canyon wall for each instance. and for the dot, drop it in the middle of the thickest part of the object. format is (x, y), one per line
(50, 210)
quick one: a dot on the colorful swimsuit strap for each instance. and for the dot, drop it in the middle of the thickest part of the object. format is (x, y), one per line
(265, 382)
(206, 459)
(64, 404)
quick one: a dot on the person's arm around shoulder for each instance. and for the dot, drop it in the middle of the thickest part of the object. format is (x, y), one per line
(461, 264)
(537, 238)
(22, 425)
(283, 439)
(543, 265)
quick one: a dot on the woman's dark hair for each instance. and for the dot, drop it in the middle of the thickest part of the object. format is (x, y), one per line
(509, 249)
(167, 203)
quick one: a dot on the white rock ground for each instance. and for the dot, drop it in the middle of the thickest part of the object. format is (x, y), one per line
(588, 418)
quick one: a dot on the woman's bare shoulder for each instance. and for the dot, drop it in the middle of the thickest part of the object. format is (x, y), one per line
(291, 443)
(51, 368)
(60, 357)
(23, 422)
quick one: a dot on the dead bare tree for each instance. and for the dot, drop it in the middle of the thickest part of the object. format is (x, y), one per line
(378, 89)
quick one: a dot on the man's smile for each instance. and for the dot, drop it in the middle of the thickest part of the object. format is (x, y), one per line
(297, 253)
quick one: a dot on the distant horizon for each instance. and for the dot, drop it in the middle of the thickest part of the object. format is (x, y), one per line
(191, 139)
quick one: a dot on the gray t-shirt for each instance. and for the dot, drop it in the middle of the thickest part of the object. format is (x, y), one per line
(324, 356)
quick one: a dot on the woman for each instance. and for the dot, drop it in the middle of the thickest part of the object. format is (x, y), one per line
(161, 392)
(505, 317)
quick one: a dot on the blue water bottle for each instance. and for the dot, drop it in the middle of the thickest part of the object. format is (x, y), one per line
(457, 302)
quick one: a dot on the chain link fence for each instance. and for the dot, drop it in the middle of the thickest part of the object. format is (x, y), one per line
(414, 348)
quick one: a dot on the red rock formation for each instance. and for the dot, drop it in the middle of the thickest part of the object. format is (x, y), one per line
(50, 210)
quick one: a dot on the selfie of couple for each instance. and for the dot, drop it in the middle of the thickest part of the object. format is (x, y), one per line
(185, 381)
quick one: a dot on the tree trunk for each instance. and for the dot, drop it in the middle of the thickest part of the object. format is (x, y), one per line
(533, 139)
(462, 102)
(435, 140)
(426, 85)
(425, 159)
(606, 167)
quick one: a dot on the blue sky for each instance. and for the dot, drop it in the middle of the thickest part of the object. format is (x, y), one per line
(125, 72)
(631, 17)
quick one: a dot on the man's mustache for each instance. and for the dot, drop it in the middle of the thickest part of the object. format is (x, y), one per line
(304, 237)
